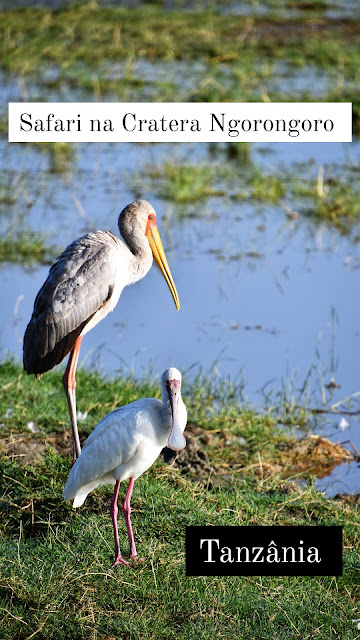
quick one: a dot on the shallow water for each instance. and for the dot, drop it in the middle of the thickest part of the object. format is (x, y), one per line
(275, 8)
(264, 297)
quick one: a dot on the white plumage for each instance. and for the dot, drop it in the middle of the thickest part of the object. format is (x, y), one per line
(125, 443)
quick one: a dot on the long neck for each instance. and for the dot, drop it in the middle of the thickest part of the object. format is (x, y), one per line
(141, 257)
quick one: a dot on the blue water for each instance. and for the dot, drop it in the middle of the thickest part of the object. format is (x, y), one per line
(263, 296)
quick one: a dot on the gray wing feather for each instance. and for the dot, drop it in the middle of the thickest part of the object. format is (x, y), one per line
(78, 285)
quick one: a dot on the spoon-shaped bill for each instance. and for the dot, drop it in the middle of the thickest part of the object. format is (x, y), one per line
(176, 440)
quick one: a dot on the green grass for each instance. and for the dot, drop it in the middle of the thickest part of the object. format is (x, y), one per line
(212, 403)
(336, 205)
(55, 576)
(262, 187)
(7, 197)
(187, 187)
(340, 205)
(192, 184)
(150, 53)
(26, 247)
(61, 155)
(185, 183)
(24, 395)
(239, 179)
(32, 37)
(83, 45)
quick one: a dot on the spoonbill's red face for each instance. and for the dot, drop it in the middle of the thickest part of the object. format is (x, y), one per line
(173, 388)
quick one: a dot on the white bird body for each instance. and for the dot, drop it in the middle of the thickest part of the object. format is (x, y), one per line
(123, 445)
(127, 441)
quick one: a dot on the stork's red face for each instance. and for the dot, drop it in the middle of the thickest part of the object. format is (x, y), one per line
(176, 439)
(153, 236)
(151, 223)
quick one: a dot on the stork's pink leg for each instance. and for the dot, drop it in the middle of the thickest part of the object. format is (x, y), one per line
(126, 512)
(114, 511)
(69, 382)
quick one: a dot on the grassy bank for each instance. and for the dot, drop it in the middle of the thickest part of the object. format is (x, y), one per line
(64, 36)
(55, 579)
(147, 53)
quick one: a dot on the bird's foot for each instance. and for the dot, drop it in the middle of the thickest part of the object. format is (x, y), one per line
(119, 560)
(136, 559)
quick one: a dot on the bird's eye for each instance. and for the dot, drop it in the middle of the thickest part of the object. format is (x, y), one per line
(151, 217)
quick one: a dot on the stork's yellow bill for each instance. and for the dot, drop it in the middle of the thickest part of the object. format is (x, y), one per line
(153, 236)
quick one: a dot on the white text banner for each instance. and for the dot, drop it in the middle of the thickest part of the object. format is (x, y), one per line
(180, 122)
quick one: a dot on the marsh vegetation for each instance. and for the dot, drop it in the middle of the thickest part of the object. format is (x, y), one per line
(262, 240)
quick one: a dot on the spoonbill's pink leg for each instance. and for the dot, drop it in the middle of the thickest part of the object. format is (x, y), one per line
(126, 512)
(69, 383)
(114, 511)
